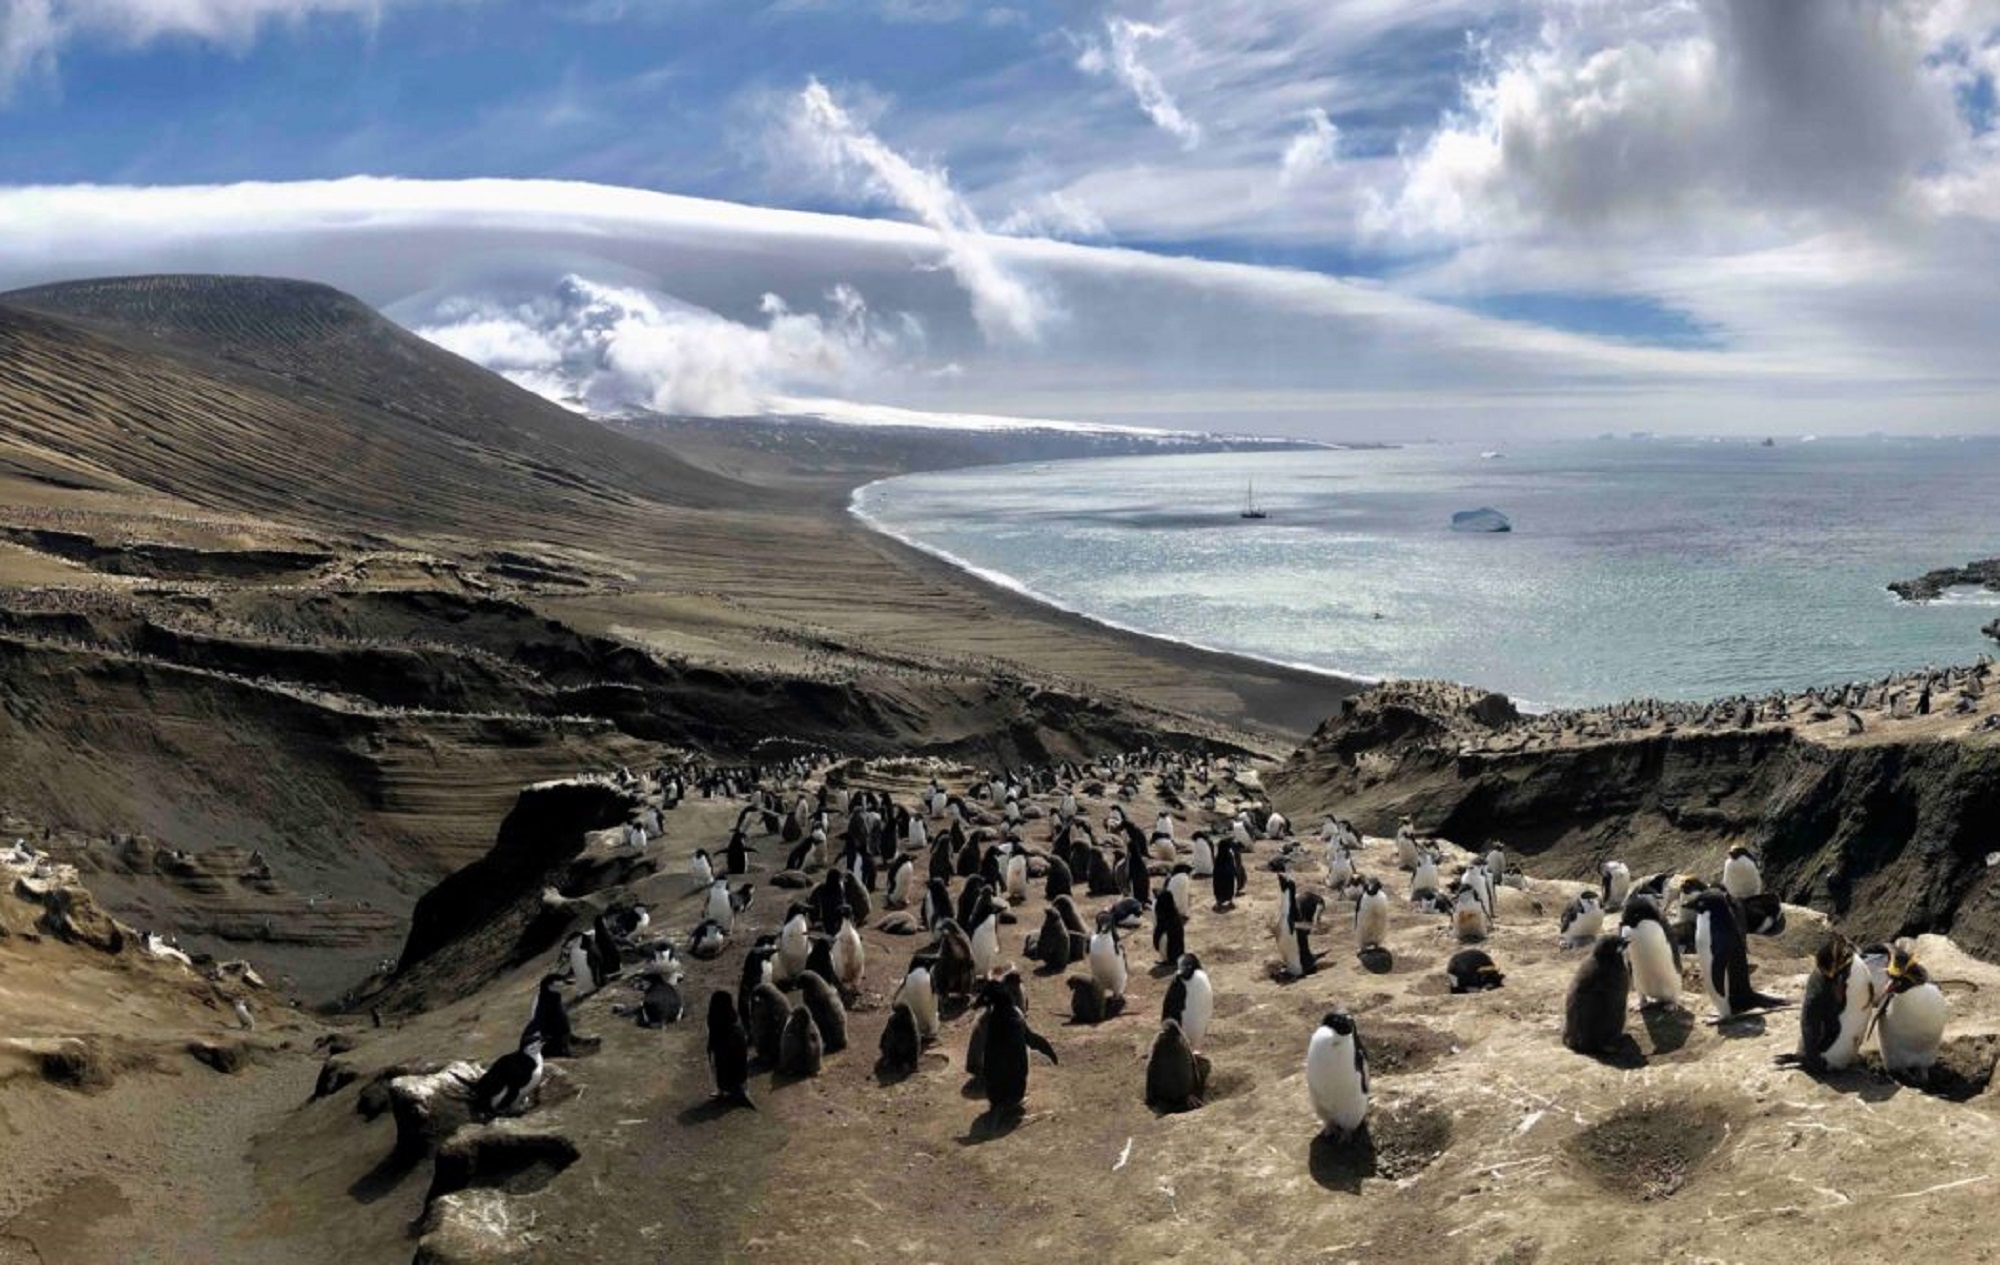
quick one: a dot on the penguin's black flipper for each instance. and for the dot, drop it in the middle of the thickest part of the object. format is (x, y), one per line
(1036, 1041)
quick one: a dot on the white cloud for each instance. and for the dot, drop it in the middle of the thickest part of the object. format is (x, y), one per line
(608, 349)
(1312, 149)
(34, 33)
(1004, 305)
(1118, 57)
(1056, 214)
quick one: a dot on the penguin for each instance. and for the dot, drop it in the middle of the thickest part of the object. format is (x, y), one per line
(1057, 881)
(1169, 928)
(1762, 914)
(728, 1050)
(1079, 934)
(1468, 915)
(1496, 869)
(1582, 920)
(1594, 1014)
(1909, 1020)
(1617, 884)
(604, 951)
(1107, 959)
(1015, 872)
(1228, 878)
(850, 956)
(1178, 881)
(1296, 959)
(827, 901)
(737, 854)
(971, 899)
(901, 1047)
(1203, 865)
(702, 869)
(707, 940)
(1655, 959)
(1173, 1075)
(1371, 915)
(1725, 958)
(1008, 1040)
(915, 992)
(1838, 1003)
(1337, 1076)
(1472, 971)
(937, 904)
(1100, 879)
(550, 1019)
(794, 946)
(801, 1049)
(1050, 946)
(1740, 876)
(1407, 852)
(660, 1001)
(901, 889)
(1339, 865)
(1128, 914)
(1087, 1002)
(818, 998)
(505, 1088)
(583, 966)
(720, 907)
(1190, 1000)
(952, 975)
(1424, 879)
(769, 1009)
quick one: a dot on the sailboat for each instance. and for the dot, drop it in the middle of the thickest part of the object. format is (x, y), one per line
(1250, 509)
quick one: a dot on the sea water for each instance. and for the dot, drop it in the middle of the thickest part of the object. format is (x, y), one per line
(1636, 567)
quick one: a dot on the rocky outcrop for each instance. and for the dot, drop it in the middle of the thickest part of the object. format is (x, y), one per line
(1932, 584)
(506, 1155)
(430, 1106)
(1889, 837)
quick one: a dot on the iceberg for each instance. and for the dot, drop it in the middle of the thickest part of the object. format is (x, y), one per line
(1482, 519)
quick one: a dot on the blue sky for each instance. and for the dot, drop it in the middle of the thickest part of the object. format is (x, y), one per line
(1330, 216)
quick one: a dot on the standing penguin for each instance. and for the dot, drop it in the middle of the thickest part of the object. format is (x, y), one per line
(901, 1046)
(737, 854)
(769, 1009)
(1228, 879)
(1617, 884)
(1107, 959)
(505, 1088)
(820, 1001)
(794, 945)
(1050, 946)
(1839, 1000)
(1169, 928)
(1655, 958)
(850, 956)
(801, 1049)
(1058, 880)
(1740, 876)
(1371, 915)
(1008, 1040)
(915, 992)
(985, 924)
(1296, 959)
(1594, 1014)
(1424, 879)
(1174, 1080)
(1725, 958)
(702, 869)
(1337, 1076)
(583, 966)
(1910, 1019)
(550, 1019)
(728, 1050)
(902, 886)
(1203, 865)
(720, 908)
(1468, 915)
(1190, 1000)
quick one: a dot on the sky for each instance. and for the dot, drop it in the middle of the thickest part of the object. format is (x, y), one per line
(1345, 219)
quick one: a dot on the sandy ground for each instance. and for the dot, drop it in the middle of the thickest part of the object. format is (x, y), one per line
(1489, 1141)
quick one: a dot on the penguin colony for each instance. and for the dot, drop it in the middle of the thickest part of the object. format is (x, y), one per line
(956, 869)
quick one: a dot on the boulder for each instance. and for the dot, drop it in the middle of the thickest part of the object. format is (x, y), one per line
(511, 1155)
(430, 1106)
(473, 1227)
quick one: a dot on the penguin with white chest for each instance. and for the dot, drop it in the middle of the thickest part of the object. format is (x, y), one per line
(1582, 920)
(506, 1087)
(1838, 1003)
(1371, 915)
(1469, 921)
(1617, 878)
(1107, 959)
(1910, 1019)
(1740, 876)
(1190, 1000)
(1725, 958)
(1337, 1076)
(1655, 958)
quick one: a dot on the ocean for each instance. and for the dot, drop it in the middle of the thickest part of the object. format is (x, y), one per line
(1635, 568)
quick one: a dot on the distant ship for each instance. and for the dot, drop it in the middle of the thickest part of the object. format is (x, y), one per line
(1492, 454)
(1250, 509)
(1768, 443)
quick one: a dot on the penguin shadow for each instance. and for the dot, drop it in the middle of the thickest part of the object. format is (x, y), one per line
(993, 1124)
(1622, 1052)
(1737, 1027)
(1377, 960)
(1667, 1027)
(383, 1179)
(1162, 970)
(710, 1109)
(1342, 1164)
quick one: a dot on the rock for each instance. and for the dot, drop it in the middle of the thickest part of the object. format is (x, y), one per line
(227, 1057)
(472, 1227)
(69, 913)
(430, 1107)
(509, 1155)
(335, 1075)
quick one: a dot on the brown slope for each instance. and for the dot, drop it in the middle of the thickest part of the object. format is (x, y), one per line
(296, 401)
